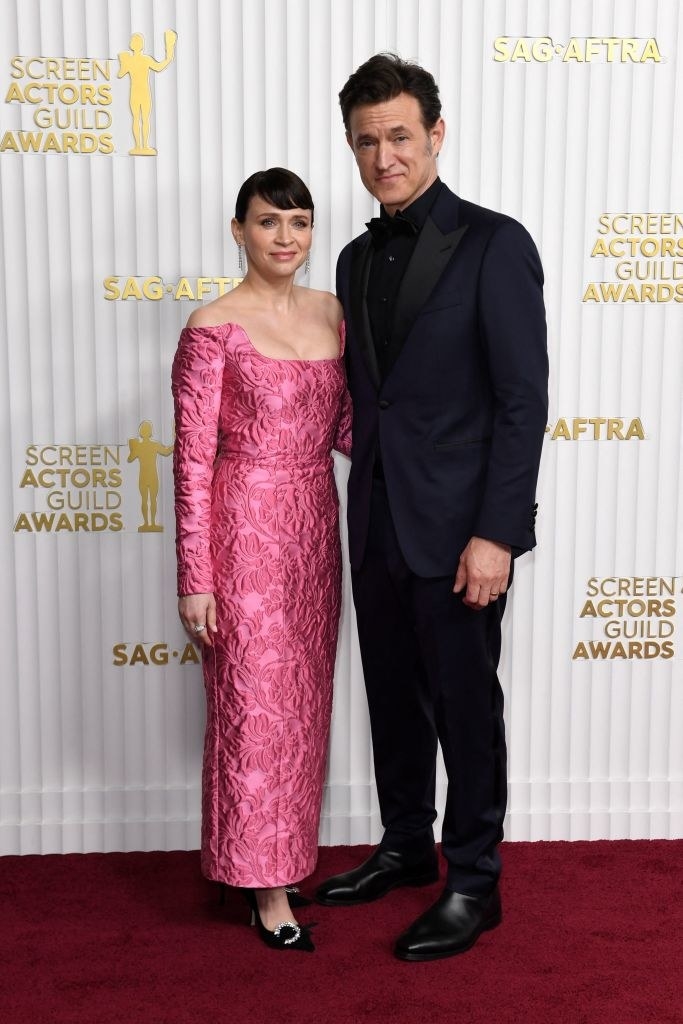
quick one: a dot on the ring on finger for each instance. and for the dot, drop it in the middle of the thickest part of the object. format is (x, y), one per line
(199, 627)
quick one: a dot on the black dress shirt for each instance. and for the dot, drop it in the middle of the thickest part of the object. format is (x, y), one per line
(391, 254)
(392, 250)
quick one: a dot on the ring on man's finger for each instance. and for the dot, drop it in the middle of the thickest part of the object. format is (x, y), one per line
(199, 627)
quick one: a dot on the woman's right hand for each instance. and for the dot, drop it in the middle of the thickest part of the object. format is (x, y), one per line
(198, 610)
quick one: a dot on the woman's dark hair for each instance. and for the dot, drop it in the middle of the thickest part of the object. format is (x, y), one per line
(283, 188)
(384, 77)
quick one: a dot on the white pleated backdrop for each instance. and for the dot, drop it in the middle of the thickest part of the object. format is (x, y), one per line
(101, 704)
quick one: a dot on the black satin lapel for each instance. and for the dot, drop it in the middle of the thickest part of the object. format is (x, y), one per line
(360, 271)
(430, 256)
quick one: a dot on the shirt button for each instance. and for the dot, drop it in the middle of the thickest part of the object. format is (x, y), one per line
(384, 404)
(392, 259)
(383, 300)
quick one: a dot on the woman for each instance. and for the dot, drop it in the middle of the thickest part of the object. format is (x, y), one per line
(260, 401)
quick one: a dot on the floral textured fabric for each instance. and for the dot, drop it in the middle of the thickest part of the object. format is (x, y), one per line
(257, 525)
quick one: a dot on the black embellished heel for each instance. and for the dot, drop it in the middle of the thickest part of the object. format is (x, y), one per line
(287, 934)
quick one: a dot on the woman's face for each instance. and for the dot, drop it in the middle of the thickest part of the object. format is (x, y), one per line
(276, 241)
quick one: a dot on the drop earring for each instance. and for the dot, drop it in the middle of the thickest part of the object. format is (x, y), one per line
(240, 258)
(307, 264)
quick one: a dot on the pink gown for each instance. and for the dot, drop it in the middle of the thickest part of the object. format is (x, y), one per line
(257, 525)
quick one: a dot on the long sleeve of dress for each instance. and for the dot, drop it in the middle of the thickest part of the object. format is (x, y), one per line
(196, 378)
(342, 439)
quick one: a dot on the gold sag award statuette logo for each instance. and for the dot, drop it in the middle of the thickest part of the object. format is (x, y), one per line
(638, 613)
(596, 428)
(81, 485)
(71, 100)
(647, 252)
(138, 65)
(146, 450)
(579, 50)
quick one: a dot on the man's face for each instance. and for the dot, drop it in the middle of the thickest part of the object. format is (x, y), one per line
(395, 153)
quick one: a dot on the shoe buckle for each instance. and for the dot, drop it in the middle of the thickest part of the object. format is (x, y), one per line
(294, 927)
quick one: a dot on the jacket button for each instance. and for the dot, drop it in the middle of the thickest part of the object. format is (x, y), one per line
(384, 404)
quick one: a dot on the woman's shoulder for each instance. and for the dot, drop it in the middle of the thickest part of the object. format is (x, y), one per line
(213, 314)
(326, 304)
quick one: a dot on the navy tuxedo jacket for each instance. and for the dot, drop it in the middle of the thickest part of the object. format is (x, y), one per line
(460, 417)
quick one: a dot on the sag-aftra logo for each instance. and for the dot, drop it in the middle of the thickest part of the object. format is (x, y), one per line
(576, 50)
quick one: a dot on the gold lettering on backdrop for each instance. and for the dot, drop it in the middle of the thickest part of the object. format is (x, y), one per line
(638, 614)
(632, 586)
(66, 69)
(649, 251)
(69, 99)
(138, 65)
(146, 450)
(80, 486)
(578, 50)
(125, 654)
(155, 288)
(596, 428)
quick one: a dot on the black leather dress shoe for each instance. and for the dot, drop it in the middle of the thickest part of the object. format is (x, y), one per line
(452, 925)
(382, 871)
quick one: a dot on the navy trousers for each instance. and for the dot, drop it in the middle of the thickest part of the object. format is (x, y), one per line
(430, 666)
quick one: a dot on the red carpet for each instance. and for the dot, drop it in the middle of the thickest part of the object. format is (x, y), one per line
(592, 934)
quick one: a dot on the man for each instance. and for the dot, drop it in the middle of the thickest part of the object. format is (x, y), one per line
(447, 367)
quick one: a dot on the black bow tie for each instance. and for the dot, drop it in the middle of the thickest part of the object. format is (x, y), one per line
(384, 228)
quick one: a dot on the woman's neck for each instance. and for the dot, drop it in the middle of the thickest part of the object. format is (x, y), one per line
(278, 294)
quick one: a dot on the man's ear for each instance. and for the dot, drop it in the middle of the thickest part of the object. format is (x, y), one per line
(349, 139)
(436, 134)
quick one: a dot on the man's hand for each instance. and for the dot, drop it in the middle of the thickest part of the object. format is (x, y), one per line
(484, 569)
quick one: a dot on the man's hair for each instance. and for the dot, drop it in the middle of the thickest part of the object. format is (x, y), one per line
(384, 77)
(278, 186)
